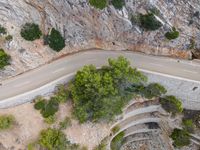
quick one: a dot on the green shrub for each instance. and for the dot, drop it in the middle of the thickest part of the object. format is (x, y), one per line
(4, 59)
(172, 35)
(153, 90)
(40, 105)
(65, 123)
(53, 139)
(154, 10)
(117, 141)
(180, 137)
(47, 108)
(171, 104)
(62, 94)
(188, 125)
(149, 22)
(31, 146)
(2, 30)
(100, 4)
(115, 129)
(9, 38)
(100, 94)
(6, 122)
(55, 40)
(31, 32)
(50, 119)
(118, 4)
(50, 108)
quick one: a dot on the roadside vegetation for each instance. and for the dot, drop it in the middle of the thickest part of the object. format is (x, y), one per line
(6, 122)
(48, 108)
(101, 93)
(4, 59)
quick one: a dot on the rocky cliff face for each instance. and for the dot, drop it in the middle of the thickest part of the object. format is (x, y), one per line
(85, 27)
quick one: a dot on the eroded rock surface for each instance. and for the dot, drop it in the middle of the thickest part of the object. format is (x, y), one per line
(85, 27)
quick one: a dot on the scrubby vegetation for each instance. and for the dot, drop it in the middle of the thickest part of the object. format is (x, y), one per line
(31, 32)
(47, 108)
(188, 125)
(115, 129)
(9, 38)
(180, 137)
(55, 40)
(2, 30)
(50, 120)
(4, 59)
(53, 139)
(118, 4)
(117, 141)
(102, 145)
(149, 22)
(172, 34)
(62, 94)
(6, 122)
(153, 90)
(101, 93)
(171, 104)
(65, 123)
(100, 4)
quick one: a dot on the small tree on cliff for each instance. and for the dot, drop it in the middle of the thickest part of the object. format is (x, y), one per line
(55, 40)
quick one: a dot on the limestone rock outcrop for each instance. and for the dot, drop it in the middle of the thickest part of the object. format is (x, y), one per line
(85, 27)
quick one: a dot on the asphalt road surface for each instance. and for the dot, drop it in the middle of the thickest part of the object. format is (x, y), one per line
(38, 77)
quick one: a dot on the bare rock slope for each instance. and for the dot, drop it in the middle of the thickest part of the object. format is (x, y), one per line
(85, 27)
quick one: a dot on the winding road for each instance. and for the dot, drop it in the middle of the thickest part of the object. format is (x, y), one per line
(68, 65)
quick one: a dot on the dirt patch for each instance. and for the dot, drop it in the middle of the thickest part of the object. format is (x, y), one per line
(29, 123)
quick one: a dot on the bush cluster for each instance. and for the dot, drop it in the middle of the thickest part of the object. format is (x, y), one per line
(31, 32)
(149, 22)
(172, 34)
(118, 4)
(171, 104)
(101, 93)
(100, 4)
(55, 40)
(180, 137)
(55, 139)
(188, 125)
(6, 122)
(4, 59)
(47, 108)
(2, 30)
(153, 90)
(117, 141)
